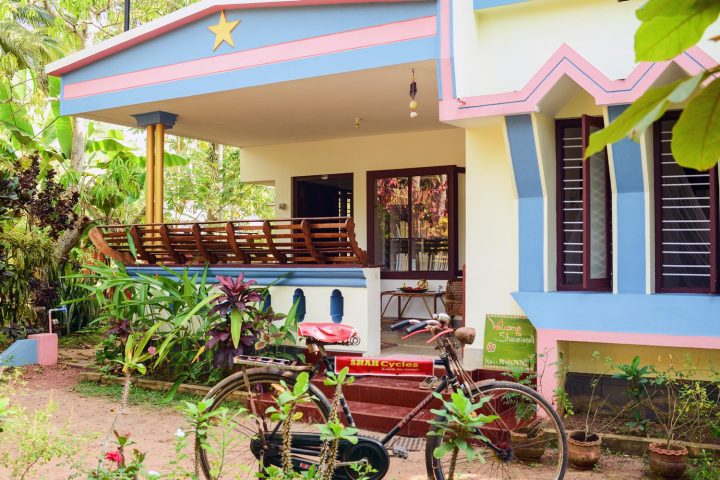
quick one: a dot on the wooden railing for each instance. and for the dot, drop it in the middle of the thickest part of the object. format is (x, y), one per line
(246, 242)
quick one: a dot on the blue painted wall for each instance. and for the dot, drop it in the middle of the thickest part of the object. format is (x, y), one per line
(630, 227)
(353, 60)
(296, 277)
(483, 4)
(530, 202)
(257, 28)
(666, 314)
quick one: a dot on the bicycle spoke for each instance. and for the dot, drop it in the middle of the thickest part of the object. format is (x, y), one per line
(526, 433)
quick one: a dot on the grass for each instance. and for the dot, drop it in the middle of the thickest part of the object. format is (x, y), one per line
(138, 395)
(84, 339)
(141, 396)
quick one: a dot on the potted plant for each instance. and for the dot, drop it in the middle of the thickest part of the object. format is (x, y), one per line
(526, 434)
(525, 438)
(673, 412)
(585, 445)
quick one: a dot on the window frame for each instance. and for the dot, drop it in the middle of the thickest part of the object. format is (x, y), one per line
(713, 286)
(588, 284)
(452, 172)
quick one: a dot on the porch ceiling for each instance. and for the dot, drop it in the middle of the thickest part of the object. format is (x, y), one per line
(301, 110)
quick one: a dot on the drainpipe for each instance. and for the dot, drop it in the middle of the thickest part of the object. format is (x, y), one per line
(127, 15)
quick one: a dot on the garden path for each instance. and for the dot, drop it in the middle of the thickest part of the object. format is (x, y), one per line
(153, 429)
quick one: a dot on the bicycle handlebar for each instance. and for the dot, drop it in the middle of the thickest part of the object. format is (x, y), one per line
(400, 325)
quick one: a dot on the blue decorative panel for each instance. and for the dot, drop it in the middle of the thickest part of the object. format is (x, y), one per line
(627, 161)
(662, 314)
(408, 51)
(258, 28)
(299, 298)
(286, 277)
(21, 352)
(530, 204)
(337, 306)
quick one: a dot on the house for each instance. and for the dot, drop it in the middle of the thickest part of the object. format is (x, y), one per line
(484, 169)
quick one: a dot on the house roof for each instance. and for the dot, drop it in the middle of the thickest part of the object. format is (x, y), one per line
(175, 20)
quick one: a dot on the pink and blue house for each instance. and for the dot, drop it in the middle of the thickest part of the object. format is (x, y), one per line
(619, 253)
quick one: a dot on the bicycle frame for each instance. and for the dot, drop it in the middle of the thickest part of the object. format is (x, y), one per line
(449, 379)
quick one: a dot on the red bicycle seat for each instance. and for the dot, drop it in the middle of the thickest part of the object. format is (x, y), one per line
(327, 332)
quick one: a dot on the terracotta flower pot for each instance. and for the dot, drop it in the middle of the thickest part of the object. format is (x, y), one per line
(668, 462)
(526, 445)
(584, 452)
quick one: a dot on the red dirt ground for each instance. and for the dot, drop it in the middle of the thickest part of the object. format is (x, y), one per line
(153, 429)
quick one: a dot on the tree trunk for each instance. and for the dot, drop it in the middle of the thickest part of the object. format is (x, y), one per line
(120, 411)
(79, 138)
(69, 239)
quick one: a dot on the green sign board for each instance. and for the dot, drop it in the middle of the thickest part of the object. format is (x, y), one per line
(509, 342)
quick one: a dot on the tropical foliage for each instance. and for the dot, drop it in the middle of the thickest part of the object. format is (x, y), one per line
(60, 176)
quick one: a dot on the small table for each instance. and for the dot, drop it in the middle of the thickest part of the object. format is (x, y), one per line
(405, 298)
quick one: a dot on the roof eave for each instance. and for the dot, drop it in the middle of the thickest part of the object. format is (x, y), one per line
(172, 21)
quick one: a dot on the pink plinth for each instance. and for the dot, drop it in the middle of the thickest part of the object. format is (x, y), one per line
(47, 344)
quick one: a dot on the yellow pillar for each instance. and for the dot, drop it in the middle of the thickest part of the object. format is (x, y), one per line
(150, 176)
(159, 177)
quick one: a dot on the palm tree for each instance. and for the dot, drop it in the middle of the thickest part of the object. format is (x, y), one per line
(25, 37)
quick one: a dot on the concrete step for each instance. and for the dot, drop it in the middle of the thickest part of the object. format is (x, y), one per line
(384, 391)
(382, 418)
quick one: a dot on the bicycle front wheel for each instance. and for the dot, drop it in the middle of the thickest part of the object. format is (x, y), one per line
(243, 440)
(526, 440)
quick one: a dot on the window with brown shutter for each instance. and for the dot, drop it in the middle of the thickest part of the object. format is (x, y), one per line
(686, 220)
(584, 216)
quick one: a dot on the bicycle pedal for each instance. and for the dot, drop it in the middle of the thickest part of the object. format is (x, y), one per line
(401, 452)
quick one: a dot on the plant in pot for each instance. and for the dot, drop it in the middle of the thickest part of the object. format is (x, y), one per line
(585, 445)
(525, 436)
(671, 409)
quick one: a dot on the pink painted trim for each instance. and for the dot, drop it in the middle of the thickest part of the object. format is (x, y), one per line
(567, 62)
(310, 47)
(653, 340)
(137, 39)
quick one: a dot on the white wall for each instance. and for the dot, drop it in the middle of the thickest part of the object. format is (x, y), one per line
(357, 155)
(492, 231)
(498, 50)
(361, 308)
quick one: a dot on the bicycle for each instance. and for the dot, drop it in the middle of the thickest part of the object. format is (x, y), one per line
(526, 440)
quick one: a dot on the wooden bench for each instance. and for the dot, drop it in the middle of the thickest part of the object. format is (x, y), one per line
(245, 242)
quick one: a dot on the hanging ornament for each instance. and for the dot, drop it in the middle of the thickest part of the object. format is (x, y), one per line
(413, 92)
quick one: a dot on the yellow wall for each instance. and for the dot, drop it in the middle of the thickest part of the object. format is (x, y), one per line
(492, 256)
(279, 163)
(579, 355)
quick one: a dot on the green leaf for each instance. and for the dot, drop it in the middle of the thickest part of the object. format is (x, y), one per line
(642, 113)
(236, 321)
(443, 450)
(146, 338)
(63, 126)
(696, 135)
(670, 28)
(301, 384)
(63, 131)
(174, 160)
(131, 243)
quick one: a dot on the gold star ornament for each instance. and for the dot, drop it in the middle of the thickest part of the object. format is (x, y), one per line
(223, 31)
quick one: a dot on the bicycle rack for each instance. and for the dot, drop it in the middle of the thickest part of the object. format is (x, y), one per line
(271, 362)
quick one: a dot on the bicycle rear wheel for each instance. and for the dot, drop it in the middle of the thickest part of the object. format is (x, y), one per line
(527, 440)
(236, 444)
